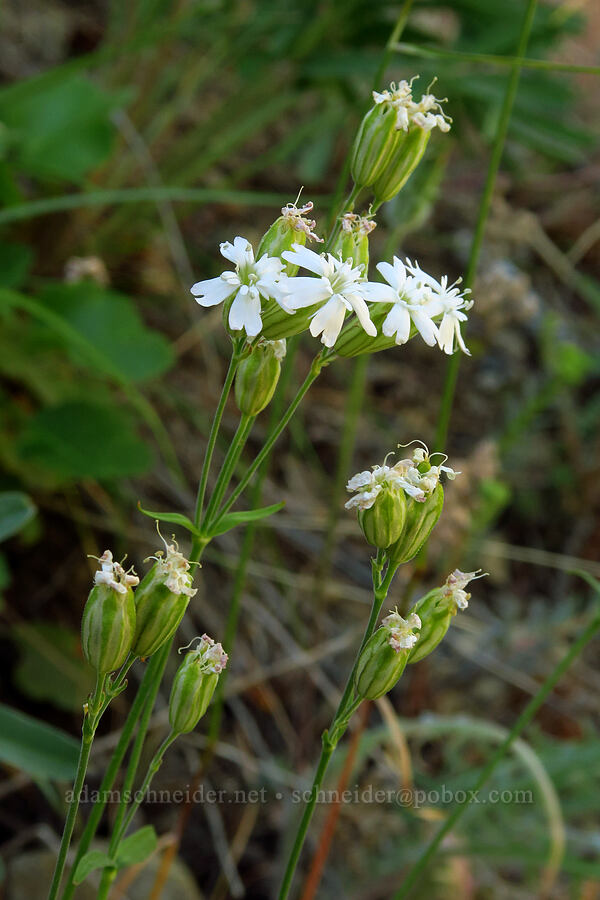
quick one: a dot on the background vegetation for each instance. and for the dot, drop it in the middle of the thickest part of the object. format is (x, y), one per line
(133, 139)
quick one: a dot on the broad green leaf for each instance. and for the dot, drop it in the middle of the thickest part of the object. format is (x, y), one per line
(137, 847)
(112, 323)
(50, 666)
(232, 520)
(58, 127)
(89, 862)
(83, 440)
(172, 518)
(16, 510)
(35, 747)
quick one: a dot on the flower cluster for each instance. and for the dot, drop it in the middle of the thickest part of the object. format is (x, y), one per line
(414, 475)
(211, 656)
(176, 568)
(114, 575)
(401, 631)
(335, 287)
(426, 114)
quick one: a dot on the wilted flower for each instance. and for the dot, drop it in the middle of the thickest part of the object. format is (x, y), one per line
(250, 282)
(114, 575)
(402, 631)
(294, 217)
(416, 476)
(338, 287)
(455, 585)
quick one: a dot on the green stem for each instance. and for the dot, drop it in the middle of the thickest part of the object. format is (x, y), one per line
(330, 738)
(90, 723)
(317, 365)
(228, 468)
(522, 722)
(214, 431)
(153, 675)
(484, 208)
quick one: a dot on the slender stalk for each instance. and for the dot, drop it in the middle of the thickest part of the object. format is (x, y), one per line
(153, 675)
(109, 874)
(90, 723)
(331, 737)
(317, 364)
(489, 59)
(214, 431)
(484, 208)
(228, 468)
(522, 722)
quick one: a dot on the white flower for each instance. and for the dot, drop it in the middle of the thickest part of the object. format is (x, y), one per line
(114, 575)
(175, 567)
(411, 303)
(294, 216)
(338, 287)
(426, 114)
(404, 475)
(450, 302)
(456, 583)
(251, 281)
(401, 630)
(211, 656)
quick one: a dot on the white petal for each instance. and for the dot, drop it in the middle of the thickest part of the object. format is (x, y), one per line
(424, 326)
(460, 341)
(240, 252)
(212, 291)
(446, 334)
(397, 322)
(360, 308)
(329, 320)
(376, 292)
(302, 256)
(390, 274)
(245, 313)
(306, 291)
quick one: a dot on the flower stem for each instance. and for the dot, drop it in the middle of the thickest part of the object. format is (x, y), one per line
(522, 722)
(346, 708)
(90, 723)
(228, 468)
(319, 361)
(153, 675)
(214, 429)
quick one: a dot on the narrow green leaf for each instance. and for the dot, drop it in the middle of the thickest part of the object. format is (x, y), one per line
(95, 859)
(232, 520)
(16, 510)
(137, 847)
(35, 747)
(173, 518)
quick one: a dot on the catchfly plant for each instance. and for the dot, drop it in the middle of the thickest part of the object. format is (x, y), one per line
(283, 288)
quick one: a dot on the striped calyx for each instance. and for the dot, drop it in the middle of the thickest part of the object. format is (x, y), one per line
(385, 655)
(194, 684)
(257, 376)
(161, 600)
(108, 622)
(373, 145)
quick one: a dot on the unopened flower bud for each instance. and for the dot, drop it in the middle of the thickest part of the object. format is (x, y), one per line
(161, 600)
(108, 622)
(257, 376)
(436, 610)
(194, 684)
(385, 655)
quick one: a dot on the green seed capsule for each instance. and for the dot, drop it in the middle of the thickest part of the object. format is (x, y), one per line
(374, 144)
(383, 523)
(161, 600)
(421, 518)
(385, 655)
(408, 150)
(437, 609)
(194, 685)
(107, 627)
(257, 376)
